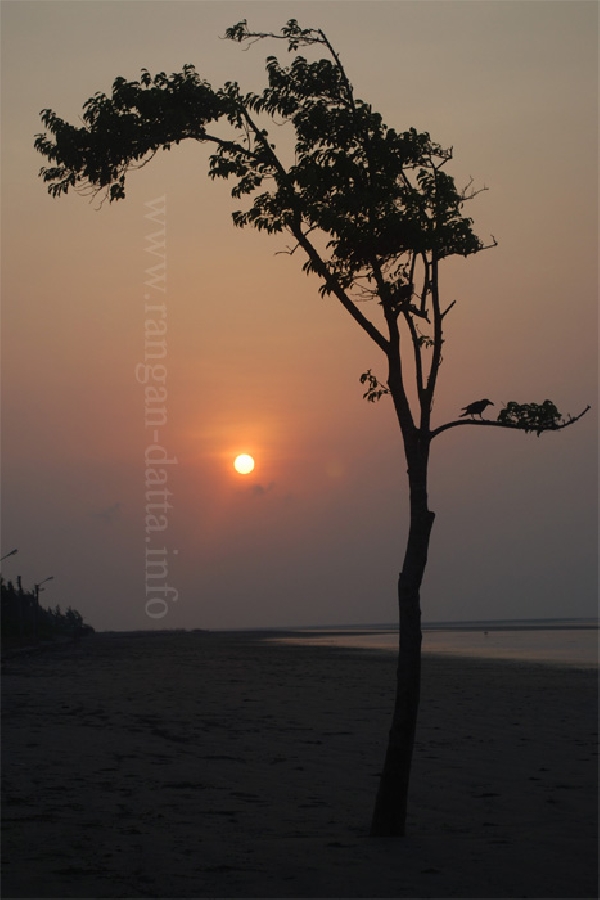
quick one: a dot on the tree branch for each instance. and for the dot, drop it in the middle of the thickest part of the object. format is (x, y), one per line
(448, 308)
(296, 38)
(493, 422)
(417, 354)
(436, 359)
(464, 196)
(321, 268)
(319, 264)
(396, 381)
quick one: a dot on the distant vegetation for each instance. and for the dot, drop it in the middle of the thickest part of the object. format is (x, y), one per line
(24, 621)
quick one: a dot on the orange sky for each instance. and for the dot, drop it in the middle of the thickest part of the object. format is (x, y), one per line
(257, 362)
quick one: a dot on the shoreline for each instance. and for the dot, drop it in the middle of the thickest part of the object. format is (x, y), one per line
(349, 639)
(583, 656)
(204, 764)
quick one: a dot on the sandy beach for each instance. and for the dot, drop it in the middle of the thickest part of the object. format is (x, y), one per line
(224, 765)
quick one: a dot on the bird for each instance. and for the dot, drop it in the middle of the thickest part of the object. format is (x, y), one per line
(476, 408)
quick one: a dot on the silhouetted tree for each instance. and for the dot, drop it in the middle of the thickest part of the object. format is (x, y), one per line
(24, 620)
(375, 214)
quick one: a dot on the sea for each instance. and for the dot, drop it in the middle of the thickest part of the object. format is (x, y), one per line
(572, 642)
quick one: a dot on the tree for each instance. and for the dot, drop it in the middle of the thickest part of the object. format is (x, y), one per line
(375, 214)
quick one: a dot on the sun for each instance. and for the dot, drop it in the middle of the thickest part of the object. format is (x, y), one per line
(243, 464)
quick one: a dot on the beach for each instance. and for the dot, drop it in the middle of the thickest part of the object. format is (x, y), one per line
(197, 764)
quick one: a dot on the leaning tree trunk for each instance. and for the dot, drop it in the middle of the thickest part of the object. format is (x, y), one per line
(389, 816)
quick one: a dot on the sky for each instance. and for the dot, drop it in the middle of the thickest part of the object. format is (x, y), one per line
(257, 362)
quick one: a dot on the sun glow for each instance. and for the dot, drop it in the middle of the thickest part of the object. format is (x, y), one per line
(244, 464)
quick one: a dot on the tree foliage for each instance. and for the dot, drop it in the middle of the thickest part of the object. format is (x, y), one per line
(387, 210)
(531, 416)
(375, 390)
(127, 128)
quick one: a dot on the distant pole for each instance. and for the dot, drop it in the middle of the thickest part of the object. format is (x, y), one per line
(36, 592)
(20, 607)
(38, 587)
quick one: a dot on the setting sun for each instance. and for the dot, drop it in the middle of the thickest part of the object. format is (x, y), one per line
(243, 464)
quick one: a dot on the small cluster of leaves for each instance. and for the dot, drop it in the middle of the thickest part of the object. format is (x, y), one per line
(531, 416)
(424, 340)
(298, 36)
(295, 35)
(376, 389)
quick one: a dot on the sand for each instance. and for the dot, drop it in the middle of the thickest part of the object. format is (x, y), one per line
(215, 765)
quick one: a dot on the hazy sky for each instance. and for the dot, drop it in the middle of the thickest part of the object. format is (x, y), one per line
(257, 362)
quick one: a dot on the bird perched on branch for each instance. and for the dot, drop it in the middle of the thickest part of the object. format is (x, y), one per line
(476, 408)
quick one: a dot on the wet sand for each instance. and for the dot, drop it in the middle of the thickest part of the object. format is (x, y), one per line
(214, 765)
